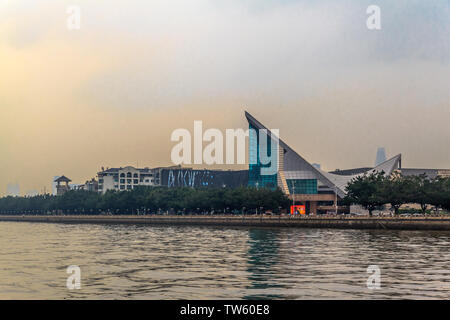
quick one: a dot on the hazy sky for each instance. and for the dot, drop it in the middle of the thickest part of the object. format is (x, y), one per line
(111, 93)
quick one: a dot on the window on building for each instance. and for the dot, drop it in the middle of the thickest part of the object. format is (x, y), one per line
(122, 175)
(136, 181)
(302, 186)
(135, 175)
(255, 178)
(122, 180)
(128, 174)
(129, 181)
(325, 203)
(122, 187)
(128, 187)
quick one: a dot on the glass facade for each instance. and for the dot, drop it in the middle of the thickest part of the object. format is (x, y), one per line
(255, 179)
(302, 186)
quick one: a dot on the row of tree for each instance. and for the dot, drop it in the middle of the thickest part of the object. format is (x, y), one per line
(376, 190)
(370, 191)
(151, 200)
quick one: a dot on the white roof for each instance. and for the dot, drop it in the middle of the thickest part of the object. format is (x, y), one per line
(341, 181)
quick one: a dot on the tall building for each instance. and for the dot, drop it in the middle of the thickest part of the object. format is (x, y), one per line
(381, 156)
(13, 190)
(318, 191)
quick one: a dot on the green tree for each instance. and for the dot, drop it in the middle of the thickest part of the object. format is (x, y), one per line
(394, 190)
(365, 191)
(421, 190)
(439, 193)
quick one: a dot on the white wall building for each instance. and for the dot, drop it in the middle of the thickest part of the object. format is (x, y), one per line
(126, 178)
(54, 191)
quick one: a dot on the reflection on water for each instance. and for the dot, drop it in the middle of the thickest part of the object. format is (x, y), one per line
(261, 260)
(144, 262)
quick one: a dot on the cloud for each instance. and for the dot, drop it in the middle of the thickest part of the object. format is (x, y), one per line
(216, 49)
(111, 93)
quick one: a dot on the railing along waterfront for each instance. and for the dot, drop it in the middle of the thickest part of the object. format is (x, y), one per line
(343, 222)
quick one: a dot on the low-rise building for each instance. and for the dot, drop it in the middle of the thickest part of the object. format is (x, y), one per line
(91, 185)
(126, 178)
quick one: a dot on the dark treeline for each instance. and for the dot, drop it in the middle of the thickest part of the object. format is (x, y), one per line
(376, 190)
(150, 200)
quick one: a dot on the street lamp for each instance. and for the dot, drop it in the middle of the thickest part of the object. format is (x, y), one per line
(336, 200)
(293, 196)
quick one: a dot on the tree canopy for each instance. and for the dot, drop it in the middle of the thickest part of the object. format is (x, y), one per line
(150, 200)
(377, 189)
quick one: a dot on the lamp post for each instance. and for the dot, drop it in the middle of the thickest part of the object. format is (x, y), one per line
(293, 196)
(336, 200)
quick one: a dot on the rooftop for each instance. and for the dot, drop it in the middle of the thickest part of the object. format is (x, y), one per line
(63, 179)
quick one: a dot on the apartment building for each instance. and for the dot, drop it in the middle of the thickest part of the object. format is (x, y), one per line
(126, 178)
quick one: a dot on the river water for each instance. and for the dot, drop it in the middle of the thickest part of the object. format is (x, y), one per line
(146, 262)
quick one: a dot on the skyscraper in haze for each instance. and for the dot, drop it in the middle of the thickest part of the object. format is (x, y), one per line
(381, 156)
(13, 190)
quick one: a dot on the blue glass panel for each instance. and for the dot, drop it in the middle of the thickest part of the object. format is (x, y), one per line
(255, 179)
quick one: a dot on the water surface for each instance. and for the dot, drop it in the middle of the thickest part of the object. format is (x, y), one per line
(146, 262)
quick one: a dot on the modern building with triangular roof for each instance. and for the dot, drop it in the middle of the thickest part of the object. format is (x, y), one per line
(318, 191)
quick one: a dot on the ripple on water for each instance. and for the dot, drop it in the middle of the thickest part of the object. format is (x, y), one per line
(143, 262)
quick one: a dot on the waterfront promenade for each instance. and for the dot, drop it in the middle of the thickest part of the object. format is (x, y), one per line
(340, 222)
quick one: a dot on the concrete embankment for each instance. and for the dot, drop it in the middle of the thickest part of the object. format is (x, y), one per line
(404, 223)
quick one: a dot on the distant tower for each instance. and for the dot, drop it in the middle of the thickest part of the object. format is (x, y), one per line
(381, 156)
(13, 190)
